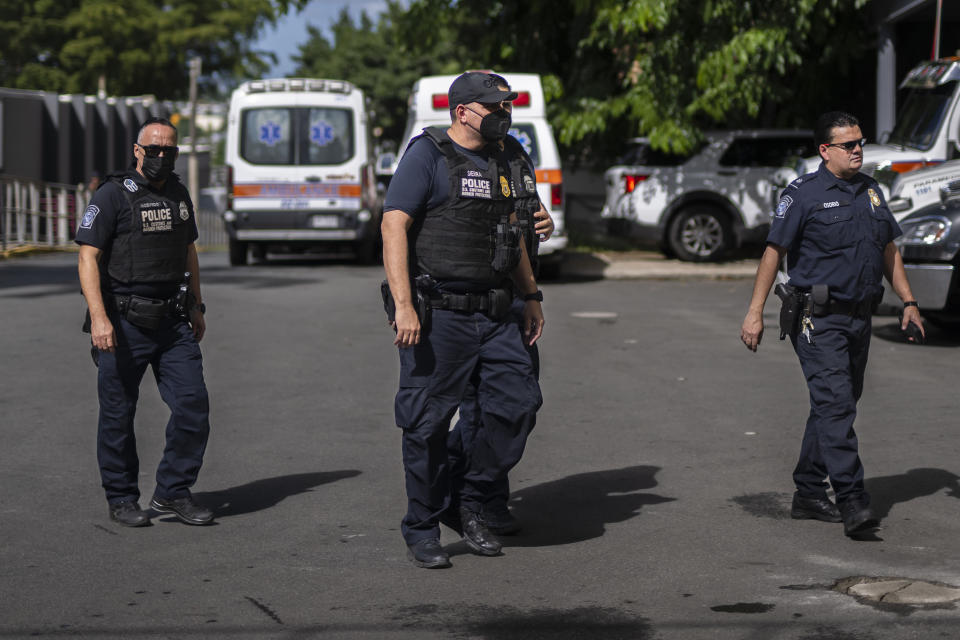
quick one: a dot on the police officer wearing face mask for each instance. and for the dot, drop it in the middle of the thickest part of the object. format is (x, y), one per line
(140, 276)
(454, 256)
(837, 234)
(467, 434)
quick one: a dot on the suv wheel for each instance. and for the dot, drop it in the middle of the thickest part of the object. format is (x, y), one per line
(699, 234)
(238, 253)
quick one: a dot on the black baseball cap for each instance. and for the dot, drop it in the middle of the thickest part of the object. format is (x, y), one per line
(476, 86)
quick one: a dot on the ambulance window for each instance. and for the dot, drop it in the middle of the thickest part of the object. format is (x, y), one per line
(265, 136)
(526, 136)
(326, 136)
(921, 116)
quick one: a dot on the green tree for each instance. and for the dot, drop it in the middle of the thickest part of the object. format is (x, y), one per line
(371, 57)
(136, 46)
(666, 69)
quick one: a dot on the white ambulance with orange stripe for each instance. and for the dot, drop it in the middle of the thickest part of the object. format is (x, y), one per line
(299, 169)
(429, 107)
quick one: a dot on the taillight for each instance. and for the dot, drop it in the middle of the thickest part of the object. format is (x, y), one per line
(522, 99)
(441, 101)
(229, 189)
(556, 195)
(630, 181)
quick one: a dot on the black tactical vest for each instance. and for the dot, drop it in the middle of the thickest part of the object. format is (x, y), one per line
(468, 237)
(153, 248)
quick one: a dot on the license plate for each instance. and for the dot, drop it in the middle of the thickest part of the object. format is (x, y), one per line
(324, 222)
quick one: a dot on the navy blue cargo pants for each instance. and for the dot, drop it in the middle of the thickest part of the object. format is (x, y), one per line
(433, 377)
(174, 355)
(460, 441)
(833, 365)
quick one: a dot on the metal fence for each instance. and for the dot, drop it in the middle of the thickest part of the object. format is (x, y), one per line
(46, 214)
(39, 213)
(210, 227)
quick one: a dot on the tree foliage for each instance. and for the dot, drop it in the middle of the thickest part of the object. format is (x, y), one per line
(370, 56)
(137, 46)
(666, 69)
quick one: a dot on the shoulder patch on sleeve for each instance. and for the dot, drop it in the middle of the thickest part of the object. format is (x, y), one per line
(88, 216)
(783, 205)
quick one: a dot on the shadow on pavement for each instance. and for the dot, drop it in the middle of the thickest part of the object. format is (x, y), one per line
(263, 494)
(578, 507)
(29, 273)
(887, 491)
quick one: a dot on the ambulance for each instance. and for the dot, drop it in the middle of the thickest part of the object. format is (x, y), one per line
(429, 107)
(299, 170)
(926, 134)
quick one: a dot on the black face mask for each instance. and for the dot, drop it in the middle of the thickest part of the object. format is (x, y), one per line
(158, 169)
(494, 126)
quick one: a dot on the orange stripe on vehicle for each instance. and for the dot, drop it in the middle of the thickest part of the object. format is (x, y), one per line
(287, 190)
(550, 176)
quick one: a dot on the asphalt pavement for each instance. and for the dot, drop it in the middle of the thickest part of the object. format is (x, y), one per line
(654, 493)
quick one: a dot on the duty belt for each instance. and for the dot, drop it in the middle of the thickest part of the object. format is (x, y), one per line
(122, 303)
(468, 302)
(859, 309)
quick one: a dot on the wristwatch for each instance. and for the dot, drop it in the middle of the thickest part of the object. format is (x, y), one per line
(911, 303)
(536, 295)
(202, 307)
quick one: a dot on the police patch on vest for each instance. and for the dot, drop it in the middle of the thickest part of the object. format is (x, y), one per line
(529, 184)
(504, 187)
(130, 185)
(155, 217)
(184, 211)
(88, 215)
(783, 205)
(475, 188)
(874, 198)
(831, 205)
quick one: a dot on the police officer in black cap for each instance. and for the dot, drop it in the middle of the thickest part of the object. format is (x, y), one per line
(468, 434)
(140, 276)
(837, 234)
(454, 254)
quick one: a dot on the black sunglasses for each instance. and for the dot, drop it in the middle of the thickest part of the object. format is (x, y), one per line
(849, 145)
(154, 150)
(494, 106)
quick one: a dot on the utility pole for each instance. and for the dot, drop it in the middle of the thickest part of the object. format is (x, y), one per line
(936, 31)
(192, 173)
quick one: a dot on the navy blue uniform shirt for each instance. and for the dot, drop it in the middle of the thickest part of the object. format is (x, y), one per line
(835, 232)
(109, 212)
(422, 182)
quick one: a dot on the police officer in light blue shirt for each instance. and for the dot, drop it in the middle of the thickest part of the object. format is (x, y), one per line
(837, 234)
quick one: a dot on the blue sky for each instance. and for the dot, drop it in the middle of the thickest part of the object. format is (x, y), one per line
(291, 31)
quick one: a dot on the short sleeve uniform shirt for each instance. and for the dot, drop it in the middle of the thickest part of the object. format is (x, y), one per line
(835, 232)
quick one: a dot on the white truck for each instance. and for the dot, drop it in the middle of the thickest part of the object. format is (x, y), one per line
(913, 191)
(299, 169)
(429, 107)
(927, 133)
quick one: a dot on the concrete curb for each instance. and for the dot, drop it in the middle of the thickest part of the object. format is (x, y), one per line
(650, 265)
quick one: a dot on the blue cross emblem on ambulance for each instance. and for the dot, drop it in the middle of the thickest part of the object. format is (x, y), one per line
(522, 138)
(321, 134)
(270, 133)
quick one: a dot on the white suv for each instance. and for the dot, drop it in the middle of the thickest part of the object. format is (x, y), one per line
(699, 206)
